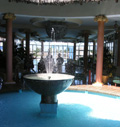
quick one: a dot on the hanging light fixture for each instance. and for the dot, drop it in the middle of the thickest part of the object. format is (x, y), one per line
(57, 2)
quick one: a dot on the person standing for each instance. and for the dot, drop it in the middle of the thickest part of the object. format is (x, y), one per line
(60, 61)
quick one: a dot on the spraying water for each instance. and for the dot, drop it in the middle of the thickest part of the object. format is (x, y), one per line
(49, 60)
(49, 63)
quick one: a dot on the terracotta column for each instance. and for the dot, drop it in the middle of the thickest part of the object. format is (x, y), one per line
(101, 19)
(86, 35)
(42, 48)
(118, 49)
(93, 51)
(74, 55)
(9, 17)
(27, 43)
(93, 60)
(22, 43)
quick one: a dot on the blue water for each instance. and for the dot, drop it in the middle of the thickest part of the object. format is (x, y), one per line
(75, 109)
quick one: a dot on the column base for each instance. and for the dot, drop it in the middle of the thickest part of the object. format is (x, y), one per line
(98, 84)
(9, 83)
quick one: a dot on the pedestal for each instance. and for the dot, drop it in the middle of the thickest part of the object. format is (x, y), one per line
(48, 105)
(48, 109)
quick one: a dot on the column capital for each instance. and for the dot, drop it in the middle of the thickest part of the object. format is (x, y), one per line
(85, 33)
(25, 30)
(41, 40)
(101, 18)
(9, 16)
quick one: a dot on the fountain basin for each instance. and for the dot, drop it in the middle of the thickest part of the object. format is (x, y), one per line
(48, 85)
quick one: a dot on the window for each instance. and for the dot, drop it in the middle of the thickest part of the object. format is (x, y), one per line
(35, 50)
(64, 48)
(2, 40)
(1, 46)
(79, 50)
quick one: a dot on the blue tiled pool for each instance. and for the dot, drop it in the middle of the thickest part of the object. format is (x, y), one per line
(75, 109)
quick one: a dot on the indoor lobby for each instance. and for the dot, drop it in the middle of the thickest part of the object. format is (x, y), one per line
(59, 63)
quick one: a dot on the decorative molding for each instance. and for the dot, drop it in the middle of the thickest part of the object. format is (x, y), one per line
(58, 2)
(101, 18)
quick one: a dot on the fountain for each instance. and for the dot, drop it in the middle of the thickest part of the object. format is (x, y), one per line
(48, 85)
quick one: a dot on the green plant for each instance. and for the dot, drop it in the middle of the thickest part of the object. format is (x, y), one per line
(36, 52)
(108, 65)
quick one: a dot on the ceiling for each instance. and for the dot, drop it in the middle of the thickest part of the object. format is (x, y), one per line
(78, 19)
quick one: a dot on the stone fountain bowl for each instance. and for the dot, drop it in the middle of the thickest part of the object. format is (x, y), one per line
(48, 84)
